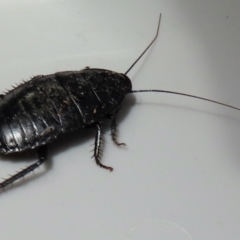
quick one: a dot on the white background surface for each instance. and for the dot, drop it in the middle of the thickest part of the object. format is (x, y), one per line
(179, 177)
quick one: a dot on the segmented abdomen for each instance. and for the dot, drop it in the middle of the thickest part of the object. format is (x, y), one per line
(36, 112)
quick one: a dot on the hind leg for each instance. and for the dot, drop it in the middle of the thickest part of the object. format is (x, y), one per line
(42, 156)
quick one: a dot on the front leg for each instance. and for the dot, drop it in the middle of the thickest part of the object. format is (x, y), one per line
(114, 131)
(97, 148)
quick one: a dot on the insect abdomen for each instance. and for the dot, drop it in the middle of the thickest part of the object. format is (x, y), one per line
(35, 113)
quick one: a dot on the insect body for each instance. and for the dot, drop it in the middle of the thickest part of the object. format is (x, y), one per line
(34, 114)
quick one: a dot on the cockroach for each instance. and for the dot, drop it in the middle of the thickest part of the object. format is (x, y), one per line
(36, 112)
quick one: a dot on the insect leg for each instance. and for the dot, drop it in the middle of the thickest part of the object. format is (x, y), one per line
(97, 148)
(42, 155)
(114, 131)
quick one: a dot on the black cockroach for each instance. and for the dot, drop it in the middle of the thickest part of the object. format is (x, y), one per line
(36, 112)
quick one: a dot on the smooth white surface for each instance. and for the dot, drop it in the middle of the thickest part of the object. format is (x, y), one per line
(179, 177)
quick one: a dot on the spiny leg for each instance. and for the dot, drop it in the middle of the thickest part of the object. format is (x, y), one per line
(97, 148)
(42, 156)
(114, 131)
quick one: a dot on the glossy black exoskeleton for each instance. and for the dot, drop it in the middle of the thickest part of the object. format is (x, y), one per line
(36, 112)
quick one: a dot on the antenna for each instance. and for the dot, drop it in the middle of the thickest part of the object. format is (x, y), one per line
(172, 92)
(147, 46)
(187, 95)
